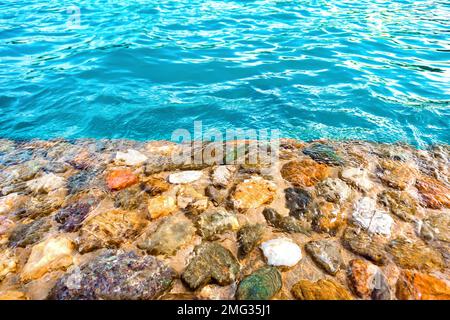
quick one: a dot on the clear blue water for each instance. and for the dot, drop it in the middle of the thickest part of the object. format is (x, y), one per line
(341, 69)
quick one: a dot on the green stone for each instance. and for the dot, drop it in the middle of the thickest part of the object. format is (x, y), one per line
(263, 284)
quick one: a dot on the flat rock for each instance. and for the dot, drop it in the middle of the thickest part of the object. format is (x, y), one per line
(161, 206)
(326, 254)
(358, 177)
(211, 224)
(434, 194)
(366, 245)
(415, 255)
(396, 174)
(115, 276)
(130, 158)
(333, 190)
(281, 252)
(323, 153)
(120, 179)
(253, 193)
(49, 255)
(366, 215)
(185, 177)
(400, 204)
(249, 237)
(172, 234)
(109, 229)
(323, 289)
(262, 284)
(304, 173)
(212, 262)
(413, 285)
(286, 223)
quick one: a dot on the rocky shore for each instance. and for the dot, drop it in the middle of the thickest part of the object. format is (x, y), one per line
(119, 219)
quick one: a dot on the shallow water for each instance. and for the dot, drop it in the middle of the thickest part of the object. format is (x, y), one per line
(373, 70)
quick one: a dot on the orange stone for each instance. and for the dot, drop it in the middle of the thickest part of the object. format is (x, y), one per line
(120, 179)
(324, 289)
(361, 275)
(396, 174)
(434, 193)
(330, 217)
(161, 206)
(253, 193)
(305, 172)
(419, 286)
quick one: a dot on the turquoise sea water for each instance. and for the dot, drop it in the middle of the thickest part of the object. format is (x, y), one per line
(374, 70)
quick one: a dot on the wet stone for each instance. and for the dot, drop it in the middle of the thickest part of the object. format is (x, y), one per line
(130, 158)
(222, 176)
(216, 195)
(438, 226)
(82, 181)
(328, 217)
(366, 215)
(161, 206)
(56, 167)
(129, 199)
(46, 183)
(72, 216)
(415, 255)
(367, 280)
(213, 223)
(172, 234)
(368, 246)
(5, 225)
(115, 276)
(249, 236)
(28, 234)
(262, 284)
(190, 200)
(297, 201)
(253, 193)
(211, 263)
(323, 289)
(304, 173)
(286, 223)
(399, 203)
(358, 177)
(333, 190)
(323, 153)
(396, 174)
(155, 186)
(185, 177)
(413, 285)
(434, 194)
(8, 264)
(120, 179)
(326, 254)
(49, 255)
(109, 229)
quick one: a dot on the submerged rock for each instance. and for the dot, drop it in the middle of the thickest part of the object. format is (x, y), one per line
(171, 234)
(323, 153)
(333, 190)
(297, 201)
(434, 194)
(358, 177)
(129, 199)
(72, 216)
(281, 252)
(253, 193)
(326, 254)
(212, 223)
(366, 245)
(324, 289)
(249, 237)
(185, 177)
(304, 173)
(286, 223)
(115, 276)
(109, 229)
(120, 179)
(368, 281)
(415, 255)
(369, 218)
(46, 183)
(400, 203)
(27, 234)
(82, 181)
(262, 284)
(211, 262)
(191, 200)
(161, 206)
(155, 186)
(130, 158)
(49, 255)
(413, 285)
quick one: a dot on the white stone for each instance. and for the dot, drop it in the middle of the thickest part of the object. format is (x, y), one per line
(131, 157)
(368, 217)
(46, 183)
(281, 252)
(185, 176)
(222, 175)
(359, 177)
